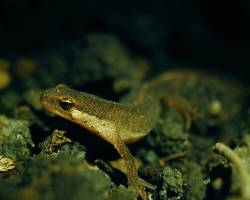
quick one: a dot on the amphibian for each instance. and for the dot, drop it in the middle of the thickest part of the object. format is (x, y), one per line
(120, 123)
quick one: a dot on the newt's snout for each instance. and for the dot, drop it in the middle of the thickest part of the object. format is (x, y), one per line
(45, 100)
(42, 97)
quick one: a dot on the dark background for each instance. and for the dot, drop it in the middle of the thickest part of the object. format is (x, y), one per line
(208, 34)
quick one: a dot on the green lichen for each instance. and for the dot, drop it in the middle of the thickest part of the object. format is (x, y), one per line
(218, 102)
(7, 190)
(172, 187)
(194, 179)
(26, 113)
(122, 193)
(67, 175)
(15, 138)
(169, 136)
(9, 100)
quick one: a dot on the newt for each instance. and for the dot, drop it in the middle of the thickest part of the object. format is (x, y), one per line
(120, 123)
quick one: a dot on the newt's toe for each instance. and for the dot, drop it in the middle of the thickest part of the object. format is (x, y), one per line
(140, 186)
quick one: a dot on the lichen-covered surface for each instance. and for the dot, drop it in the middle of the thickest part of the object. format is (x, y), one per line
(55, 159)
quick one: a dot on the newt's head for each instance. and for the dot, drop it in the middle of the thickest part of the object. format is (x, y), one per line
(62, 100)
(59, 100)
(82, 108)
(89, 111)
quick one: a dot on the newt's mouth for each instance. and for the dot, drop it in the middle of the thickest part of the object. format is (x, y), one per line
(43, 97)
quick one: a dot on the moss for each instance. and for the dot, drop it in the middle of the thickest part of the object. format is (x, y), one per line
(172, 187)
(123, 193)
(27, 114)
(218, 102)
(15, 138)
(169, 181)
(9, 100)
(65, 177)
(7, 190)
(169, 137)
(194, 181)
(73, 149)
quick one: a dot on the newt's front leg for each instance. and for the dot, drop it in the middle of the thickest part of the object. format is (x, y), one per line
(133, 179)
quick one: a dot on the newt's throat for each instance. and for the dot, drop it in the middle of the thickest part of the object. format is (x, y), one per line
(103, 128)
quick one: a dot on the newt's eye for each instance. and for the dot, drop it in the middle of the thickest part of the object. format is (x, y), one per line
(66, 103)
